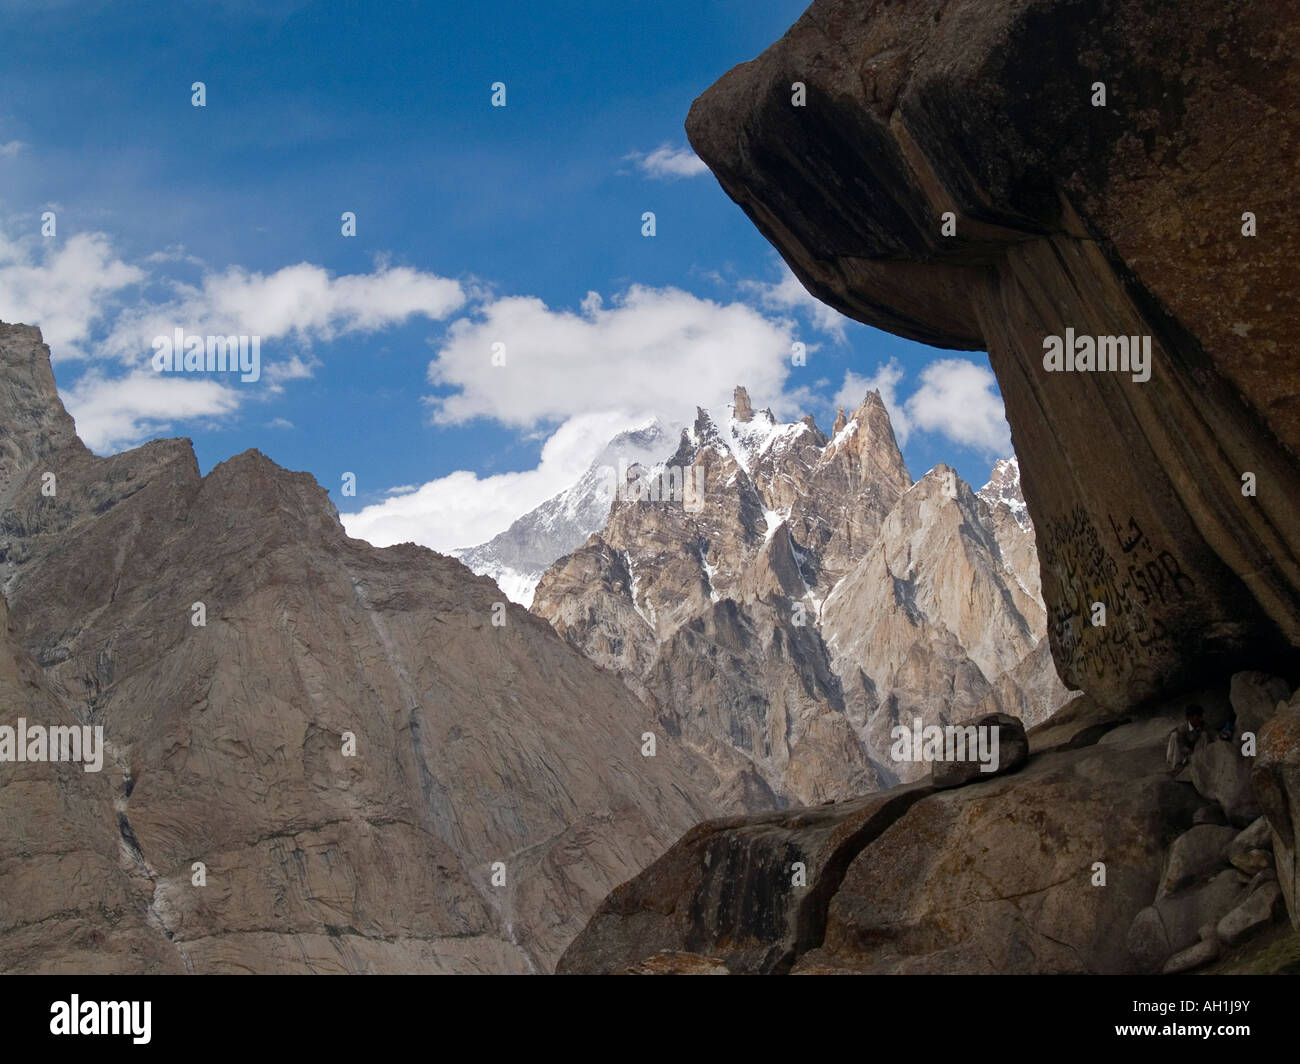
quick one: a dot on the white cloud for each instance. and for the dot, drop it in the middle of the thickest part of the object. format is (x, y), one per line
(11, 149)
(657, 351)
(72, 289)
(174, 253)
(667, 163)
(885, 381)
(789, 294)
(116, 412)
(65, 287)
(462, 509)
(958, 400)
(598, 370)
(301, 302)
(279, 423)
(68, 287)
(293, 368)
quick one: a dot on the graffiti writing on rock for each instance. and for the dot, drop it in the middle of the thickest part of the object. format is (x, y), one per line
(1133, 577)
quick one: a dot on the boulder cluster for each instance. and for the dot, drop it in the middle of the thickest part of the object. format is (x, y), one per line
(1233, 871)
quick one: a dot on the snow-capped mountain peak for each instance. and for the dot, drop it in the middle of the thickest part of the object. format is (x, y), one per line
(1003, 489)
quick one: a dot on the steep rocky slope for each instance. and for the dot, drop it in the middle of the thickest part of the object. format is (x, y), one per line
(803, 597)
(1012, 528)
(955, 175)
(71, 900)
(229, 742)
(931, 619)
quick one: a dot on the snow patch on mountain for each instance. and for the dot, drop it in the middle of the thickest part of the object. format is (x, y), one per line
(517, 558)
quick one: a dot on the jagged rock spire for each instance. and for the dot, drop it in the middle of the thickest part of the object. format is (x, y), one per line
(741, 399)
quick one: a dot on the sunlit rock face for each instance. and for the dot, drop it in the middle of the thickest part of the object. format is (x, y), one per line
(781, 619)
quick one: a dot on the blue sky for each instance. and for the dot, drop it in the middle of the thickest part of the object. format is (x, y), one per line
(475, 224)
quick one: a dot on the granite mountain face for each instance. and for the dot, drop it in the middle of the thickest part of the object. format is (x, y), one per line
(497, 788)
(935, 624)
(807, 600)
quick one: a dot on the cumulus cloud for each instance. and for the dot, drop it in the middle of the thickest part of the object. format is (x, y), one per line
(959, 400)
(463, 509)
(74, 289)
(667, 163)
(301, 302)
(71, 288)
(66, 287)
(789, 294)
(656, 351)
(115, 412)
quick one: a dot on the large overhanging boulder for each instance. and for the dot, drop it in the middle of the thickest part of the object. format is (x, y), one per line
(1071, 217)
